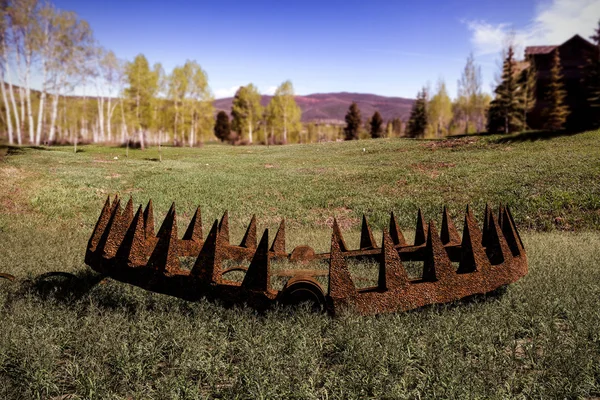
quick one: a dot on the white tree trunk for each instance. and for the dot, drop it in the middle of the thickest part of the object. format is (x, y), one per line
(100, 102)
(141, 138)
(9, 126)
(109, 112)
(38, 135)
(250, 131)
(53, 118)
(28, 98)
(11, 94)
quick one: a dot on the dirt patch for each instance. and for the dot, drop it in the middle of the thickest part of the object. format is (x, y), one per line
(269, 166)
(432, 170)
(100, 160)
(113, 176)
(450, 143)
(343, 215)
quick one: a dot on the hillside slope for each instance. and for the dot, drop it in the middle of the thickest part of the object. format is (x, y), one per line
(332, 107)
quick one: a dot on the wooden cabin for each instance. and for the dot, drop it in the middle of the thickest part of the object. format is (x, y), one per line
(574, 54)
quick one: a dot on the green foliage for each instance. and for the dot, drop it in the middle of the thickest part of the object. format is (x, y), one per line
(376, 126)
(505, 113)
(222, 127)
(283, 114)
(592, 82)
(470, 105)
(440, 111)
(557, 111)
(353, 122)
(141, 91)
(419, 116)
(527, 82)
(246, 111)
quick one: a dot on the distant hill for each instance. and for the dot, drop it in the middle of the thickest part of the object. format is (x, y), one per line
(332, 107)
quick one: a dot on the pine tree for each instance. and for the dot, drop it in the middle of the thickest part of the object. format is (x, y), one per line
(417, 124)
(557, 109)
(376, 125)
(527, 82)
(352, 122)
(591, 83)
(222, 127)
(506, 108)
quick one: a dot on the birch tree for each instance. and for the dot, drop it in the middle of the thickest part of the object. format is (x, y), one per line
(24, 21)
(246, 110)
(68, 61)
(285, 112)
(141, 92)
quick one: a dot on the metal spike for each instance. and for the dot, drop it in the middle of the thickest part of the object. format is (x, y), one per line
(501, 216)
(338, 234)
(133, 249)
(486, 225)
(340, 281)
(164, 257)
(194, 230)
(366, 236)
(437, 265)
(249, 240)
(258, 276)
(100, 226)
(472, 255)
(421, 233)
(128, 212)
(116, 232)
(208, 264)
(149, 220)
(512, 234)
(116, 201)
(449, 234)
(224, 227)
(392, 274)
(278, 245)
(497, 250)
(171, 211)
(395, 232)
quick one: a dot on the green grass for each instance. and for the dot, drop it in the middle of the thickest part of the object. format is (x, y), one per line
(540, 338)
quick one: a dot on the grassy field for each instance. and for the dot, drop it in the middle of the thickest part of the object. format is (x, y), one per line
(540, 338)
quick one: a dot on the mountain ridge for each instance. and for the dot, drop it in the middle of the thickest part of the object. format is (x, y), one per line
(332, 107)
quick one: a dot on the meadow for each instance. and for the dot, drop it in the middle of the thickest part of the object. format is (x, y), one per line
(538, 338)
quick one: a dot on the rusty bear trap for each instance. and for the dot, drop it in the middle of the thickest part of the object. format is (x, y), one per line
(125, 247)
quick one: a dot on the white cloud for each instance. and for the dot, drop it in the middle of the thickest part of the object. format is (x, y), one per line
(227, 92)
(553, 23)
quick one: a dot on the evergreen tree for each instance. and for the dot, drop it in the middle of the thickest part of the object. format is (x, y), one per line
(506, 108)
(222, 127)
(376, 125)
(592, 83)
(557, 109)
(352, 123)
(527, 83)
(417, 124)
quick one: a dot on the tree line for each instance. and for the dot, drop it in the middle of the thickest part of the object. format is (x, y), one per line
(136, 102)
(133, 101)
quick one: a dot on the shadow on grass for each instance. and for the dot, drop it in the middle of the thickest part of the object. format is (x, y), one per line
(532, 136)
(69, 288)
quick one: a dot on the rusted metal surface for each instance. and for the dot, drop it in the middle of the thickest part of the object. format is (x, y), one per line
(125, 247)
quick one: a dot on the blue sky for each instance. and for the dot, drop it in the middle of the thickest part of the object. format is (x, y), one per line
(390, 48)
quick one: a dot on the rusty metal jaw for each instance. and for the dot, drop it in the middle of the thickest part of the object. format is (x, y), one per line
(123, 246)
